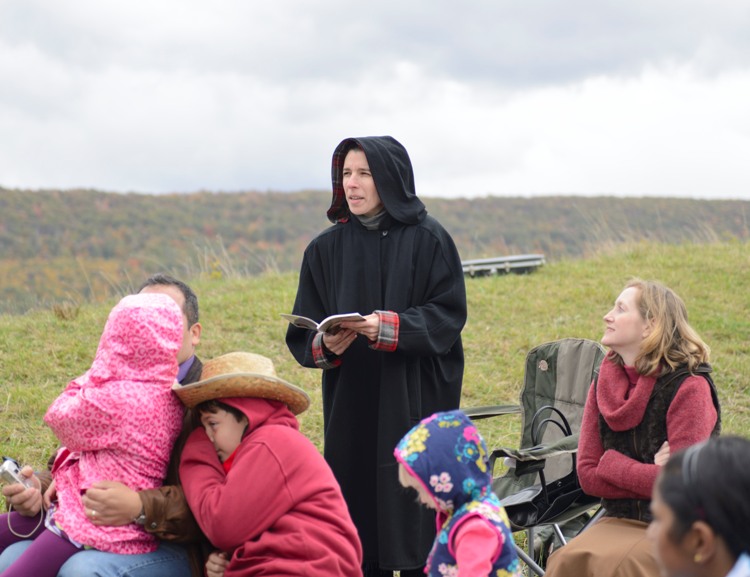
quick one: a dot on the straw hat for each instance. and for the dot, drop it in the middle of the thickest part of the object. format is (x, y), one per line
(242, 375)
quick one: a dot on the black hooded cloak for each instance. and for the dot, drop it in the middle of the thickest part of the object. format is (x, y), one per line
(410, 266)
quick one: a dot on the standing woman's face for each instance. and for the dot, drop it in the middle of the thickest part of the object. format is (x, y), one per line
(673, 558)
(359, 186)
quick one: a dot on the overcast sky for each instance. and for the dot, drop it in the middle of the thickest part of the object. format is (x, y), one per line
(502, 97)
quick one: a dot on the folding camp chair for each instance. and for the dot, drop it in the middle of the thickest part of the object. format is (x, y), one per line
(541, 488)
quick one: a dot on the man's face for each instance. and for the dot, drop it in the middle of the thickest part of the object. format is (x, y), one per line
(191, 336)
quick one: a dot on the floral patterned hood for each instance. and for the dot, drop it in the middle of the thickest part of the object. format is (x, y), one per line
(448, 456)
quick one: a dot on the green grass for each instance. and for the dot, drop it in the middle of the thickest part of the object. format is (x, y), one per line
(41, 351)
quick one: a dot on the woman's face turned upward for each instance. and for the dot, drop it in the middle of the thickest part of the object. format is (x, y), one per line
(359, 186)
(625, 327)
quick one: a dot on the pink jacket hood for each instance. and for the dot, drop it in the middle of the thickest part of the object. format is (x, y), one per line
(140, 342)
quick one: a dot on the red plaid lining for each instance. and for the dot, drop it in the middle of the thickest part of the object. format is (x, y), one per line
(320, 357)
(339, 210)
(387, 333)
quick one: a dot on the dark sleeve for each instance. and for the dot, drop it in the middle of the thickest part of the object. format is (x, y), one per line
(168, 516)
(434, 324)
(308, 302)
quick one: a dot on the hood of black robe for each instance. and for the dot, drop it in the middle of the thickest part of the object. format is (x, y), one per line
(393, 175)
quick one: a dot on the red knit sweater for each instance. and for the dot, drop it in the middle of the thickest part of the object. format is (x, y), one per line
(621, 397)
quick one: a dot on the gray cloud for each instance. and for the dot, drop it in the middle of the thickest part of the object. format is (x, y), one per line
(505, 42)
(500, 96)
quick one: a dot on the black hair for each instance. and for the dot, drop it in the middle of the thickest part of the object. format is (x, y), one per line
(710, 482)
(213, 406)
(190, 307)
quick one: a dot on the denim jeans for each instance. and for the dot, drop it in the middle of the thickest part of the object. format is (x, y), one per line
(168, 560)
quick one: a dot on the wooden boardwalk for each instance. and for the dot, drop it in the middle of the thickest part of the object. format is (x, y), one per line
(519, 264)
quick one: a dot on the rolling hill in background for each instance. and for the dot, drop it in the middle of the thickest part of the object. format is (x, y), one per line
(507, 316)
(85, 245)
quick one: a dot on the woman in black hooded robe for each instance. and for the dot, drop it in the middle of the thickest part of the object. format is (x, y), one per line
(386, 259)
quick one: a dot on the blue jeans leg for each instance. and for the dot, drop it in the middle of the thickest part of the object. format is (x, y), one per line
(169, 560)
(12, 552)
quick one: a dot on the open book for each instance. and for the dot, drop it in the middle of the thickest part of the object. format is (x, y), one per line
(328, 325)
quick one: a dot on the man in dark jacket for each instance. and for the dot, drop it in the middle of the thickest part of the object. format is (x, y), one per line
(388, 260)
(163, 511)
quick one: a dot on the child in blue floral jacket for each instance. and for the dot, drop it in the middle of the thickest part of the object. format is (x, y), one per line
(444, 458)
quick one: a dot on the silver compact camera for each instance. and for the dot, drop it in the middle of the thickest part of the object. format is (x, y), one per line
(10, 473)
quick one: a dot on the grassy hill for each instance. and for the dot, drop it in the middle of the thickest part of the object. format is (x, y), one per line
(508, 315)
(84, 245)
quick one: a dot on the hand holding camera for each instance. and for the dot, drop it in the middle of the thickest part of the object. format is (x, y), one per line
(10, 473)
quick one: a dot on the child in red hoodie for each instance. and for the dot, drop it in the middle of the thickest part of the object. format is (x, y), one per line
(259, 489)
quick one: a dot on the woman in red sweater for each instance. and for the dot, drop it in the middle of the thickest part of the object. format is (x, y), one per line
(653, 395)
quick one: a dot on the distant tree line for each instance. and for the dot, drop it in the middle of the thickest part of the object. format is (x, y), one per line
(86, 244)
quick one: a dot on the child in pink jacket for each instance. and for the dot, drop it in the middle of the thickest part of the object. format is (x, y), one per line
(117, 421)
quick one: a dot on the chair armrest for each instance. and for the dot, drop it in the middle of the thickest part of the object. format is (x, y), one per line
(492, 411)
(562, 446)
(533, 459)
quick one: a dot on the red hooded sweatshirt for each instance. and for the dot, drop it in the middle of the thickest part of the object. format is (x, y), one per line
(279, 510)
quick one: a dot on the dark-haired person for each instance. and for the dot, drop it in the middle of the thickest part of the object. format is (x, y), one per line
(261, 491)
(163, 512)
(701, 511)
(653, 395)
(387, 259)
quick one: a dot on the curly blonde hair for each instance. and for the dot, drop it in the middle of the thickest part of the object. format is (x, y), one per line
(672, 342)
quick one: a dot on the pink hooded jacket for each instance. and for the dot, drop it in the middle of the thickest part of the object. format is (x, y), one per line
(279, 510)
(119, 420)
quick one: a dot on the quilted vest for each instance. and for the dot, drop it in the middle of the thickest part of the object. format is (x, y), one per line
(643, 441)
